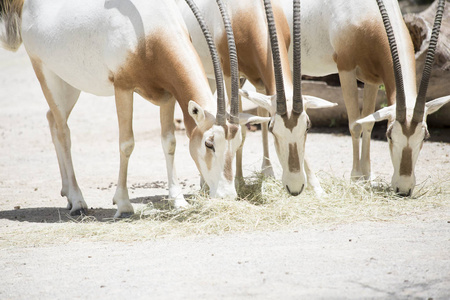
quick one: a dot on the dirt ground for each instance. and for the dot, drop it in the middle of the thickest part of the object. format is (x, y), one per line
(405, 258)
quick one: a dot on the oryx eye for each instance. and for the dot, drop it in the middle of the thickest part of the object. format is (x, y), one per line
(210, 145)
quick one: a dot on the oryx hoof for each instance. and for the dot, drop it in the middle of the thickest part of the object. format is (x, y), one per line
(319, 192)
(123, 215)
(267, 171)
(79, 212)
(180, 203)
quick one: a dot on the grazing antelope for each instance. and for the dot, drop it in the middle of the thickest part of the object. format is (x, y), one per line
(118, 47)
(253, 43)
(348, 37)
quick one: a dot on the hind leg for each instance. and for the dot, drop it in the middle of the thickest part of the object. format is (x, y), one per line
(61, 98)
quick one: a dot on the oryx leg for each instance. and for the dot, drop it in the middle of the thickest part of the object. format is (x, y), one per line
(203, 185)
(350, 93)
(240, 151)
(169, 144)
(239, 170)
(313, 182)
(266, 167)
(369, 101)
(124, 107)
(61, 98)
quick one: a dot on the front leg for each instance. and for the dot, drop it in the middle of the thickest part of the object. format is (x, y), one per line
(313, 182)
(124, 107)
(369, 101)
(350, 93)
(266, 167)
(239, 178)
(169, 144)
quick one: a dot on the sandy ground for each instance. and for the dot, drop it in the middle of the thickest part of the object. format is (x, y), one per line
(406, 258)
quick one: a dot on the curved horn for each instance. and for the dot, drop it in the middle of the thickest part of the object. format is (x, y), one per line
(297, 98)
(221, 116)
(401, 102)
(234, 109)
(419, 108)
(281, 97)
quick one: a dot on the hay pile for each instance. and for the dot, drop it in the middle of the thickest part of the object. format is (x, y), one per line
(263, 205)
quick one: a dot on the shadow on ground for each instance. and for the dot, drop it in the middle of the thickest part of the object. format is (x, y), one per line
(61, 214)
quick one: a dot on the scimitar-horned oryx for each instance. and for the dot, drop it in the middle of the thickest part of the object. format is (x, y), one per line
(253, 43)
(348, 37)
(117, 48)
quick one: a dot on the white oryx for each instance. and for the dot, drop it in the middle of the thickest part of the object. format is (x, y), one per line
(348, 37)
(253, 43)
(118, 47)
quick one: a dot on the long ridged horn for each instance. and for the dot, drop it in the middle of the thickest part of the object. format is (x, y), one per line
(234, 109)
(419, 108)
(401, 102)
(221, 115)
(281, 97)
(297, 97)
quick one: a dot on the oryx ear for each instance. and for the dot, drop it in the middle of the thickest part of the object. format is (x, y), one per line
(245, 118)
(315, 102)
(196, 112)
(259, 99)
(434, 105)
(384, 113)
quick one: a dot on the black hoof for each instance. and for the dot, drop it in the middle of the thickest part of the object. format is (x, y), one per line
(403, 194)
(79, 212)
(124, 215)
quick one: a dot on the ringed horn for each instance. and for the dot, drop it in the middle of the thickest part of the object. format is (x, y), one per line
(221, 115)
(234, 109)
(419, 107)
(221, 111)
(297, 97)
(281, 95)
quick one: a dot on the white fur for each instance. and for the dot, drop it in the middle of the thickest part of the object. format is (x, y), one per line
(323, 23)
(77, 45)
(214, 176)
(294, 181)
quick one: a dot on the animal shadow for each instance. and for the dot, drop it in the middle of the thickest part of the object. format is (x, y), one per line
(61, 214)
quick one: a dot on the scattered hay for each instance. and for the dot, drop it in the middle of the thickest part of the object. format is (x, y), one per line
(272, 209)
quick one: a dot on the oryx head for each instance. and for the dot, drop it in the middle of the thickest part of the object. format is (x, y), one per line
(215, 139)
(288, 126)
(407, 128)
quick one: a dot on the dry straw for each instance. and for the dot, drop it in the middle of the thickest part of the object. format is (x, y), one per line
(263, 205)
